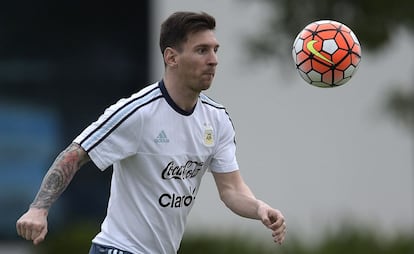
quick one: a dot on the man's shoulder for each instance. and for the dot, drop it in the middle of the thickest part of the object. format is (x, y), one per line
(209, 102)
(152, 89)
(136, 101)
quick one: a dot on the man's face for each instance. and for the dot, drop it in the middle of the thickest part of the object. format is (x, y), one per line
(197, 60)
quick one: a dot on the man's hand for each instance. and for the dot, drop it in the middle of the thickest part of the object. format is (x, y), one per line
(274, 220)
(32, 225)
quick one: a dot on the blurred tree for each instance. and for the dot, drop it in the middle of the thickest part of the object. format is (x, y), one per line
(349, 239)
(373, 21)
(400, 104)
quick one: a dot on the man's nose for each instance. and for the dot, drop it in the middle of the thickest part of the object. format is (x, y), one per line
(213, 59)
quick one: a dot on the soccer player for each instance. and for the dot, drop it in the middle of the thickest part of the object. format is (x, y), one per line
(160, 142)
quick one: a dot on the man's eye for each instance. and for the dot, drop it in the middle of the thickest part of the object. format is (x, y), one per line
(201, 50)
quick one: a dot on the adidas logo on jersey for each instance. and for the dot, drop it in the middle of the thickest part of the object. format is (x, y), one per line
(161, 138)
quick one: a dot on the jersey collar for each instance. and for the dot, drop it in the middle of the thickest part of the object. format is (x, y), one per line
(171, 102)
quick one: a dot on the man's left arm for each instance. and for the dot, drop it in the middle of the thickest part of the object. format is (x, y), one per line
(238, 197)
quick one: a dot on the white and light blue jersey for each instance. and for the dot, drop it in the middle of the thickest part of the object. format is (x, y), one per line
(159, 154)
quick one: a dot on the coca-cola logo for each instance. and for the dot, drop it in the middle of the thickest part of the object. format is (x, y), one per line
(189, 170)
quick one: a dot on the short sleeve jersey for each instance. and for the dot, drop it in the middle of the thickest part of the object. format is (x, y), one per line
(159, 154)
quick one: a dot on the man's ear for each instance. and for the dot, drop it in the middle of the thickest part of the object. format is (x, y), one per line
(170, 56)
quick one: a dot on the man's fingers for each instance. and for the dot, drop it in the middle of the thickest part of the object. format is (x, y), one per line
(279, 234)
(279, 230)
(34, 234)
(31, 231)
(19, 229)
(279, 239)
(40, 237)
(24, 230)
(273, 219)
(32, 225)
(277, 221)
(266, 221)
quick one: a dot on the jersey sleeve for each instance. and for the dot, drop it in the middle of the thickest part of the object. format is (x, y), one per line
(113, 137)
(224, 159)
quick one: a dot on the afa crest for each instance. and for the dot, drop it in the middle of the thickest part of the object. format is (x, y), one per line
(208, 137)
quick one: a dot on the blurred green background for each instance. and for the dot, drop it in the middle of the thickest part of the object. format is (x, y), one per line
(349, 239)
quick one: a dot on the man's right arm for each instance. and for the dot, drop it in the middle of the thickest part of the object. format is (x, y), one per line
(33, 224)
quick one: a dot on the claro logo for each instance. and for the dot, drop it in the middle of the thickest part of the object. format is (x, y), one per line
(175, 201)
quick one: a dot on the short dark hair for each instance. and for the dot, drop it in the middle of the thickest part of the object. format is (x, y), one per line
(176, 28)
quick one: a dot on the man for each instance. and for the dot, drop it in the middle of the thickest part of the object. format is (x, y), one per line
(160, 142)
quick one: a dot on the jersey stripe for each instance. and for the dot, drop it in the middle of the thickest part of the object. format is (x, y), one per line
(107, 126)
(208, 101)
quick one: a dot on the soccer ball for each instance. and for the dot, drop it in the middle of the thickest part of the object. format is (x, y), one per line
(326, 53)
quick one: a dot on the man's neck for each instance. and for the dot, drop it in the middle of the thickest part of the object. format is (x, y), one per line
(182, 96)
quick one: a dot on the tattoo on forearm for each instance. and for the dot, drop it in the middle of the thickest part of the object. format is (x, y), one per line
(59, 176)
